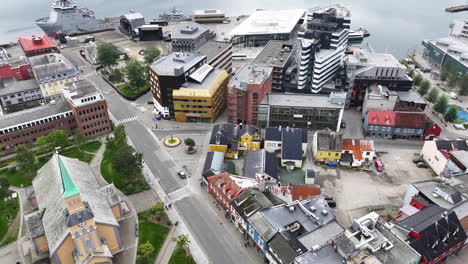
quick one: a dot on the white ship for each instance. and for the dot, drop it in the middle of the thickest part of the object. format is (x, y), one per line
(66, 18)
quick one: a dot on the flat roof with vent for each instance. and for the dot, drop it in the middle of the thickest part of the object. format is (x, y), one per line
(189, 30)
(180, 60)
(36, 42)
(275, 54)
(250, 74)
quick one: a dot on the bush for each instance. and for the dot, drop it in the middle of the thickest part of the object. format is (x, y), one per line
(466, 125)
(136, 187)
(12, 169)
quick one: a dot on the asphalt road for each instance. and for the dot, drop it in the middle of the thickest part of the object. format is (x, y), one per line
(215, 239)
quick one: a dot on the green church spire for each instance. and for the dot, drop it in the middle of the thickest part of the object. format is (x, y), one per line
(68, 187)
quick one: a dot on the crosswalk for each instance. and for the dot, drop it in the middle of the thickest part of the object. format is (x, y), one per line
(126, 120)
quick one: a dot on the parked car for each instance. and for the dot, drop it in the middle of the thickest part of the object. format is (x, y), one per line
(182, 174)
(343, 124)
(379, 165)
(417, 160)
(459, 126)
(421, 165)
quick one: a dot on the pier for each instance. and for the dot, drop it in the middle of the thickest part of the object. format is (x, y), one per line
(456, 9)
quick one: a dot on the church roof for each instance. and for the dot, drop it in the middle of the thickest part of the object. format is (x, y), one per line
(68, 187)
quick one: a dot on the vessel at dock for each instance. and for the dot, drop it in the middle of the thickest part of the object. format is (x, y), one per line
(66, 18)
(175, 15)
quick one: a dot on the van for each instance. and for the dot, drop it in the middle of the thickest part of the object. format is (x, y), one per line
(379, 165)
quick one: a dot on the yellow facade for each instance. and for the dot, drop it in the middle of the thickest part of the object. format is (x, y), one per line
(247, 141)
(107, 233)
(65, 251)
(41, 244)
(201, 105)
(54, 88)
(328, 156)
(220, 148)
(116, 211)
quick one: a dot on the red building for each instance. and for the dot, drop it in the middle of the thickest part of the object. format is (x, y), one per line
(226, 187)
(84, 109)
(431, 132)
(246, 91)
(18, 69)
(37, 44)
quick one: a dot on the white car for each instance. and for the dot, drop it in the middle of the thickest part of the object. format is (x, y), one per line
(459, 126)
(453, 95)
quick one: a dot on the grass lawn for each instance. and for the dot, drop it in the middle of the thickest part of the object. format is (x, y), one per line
(128, 91)
(179, 257)
(8, 211)
(154, 233)
(135, 185)
(91, 146)
(18, 178)
(74, 152)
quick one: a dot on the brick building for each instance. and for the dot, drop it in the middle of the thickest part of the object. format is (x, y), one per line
(246, 91)
(84, 108)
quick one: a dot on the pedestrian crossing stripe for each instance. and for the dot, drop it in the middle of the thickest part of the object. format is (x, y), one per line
(126, 120)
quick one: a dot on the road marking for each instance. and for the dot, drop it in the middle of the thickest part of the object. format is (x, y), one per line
(126, 120)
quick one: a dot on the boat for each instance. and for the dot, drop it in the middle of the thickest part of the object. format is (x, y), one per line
(175, 15)
(357, 35)
(66, 18)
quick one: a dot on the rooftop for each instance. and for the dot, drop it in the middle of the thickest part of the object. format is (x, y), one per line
(251, 200)
(293, 192)
(51, 67)
(410, 96)
(190, 30)
(19, 86)
(212, 48)
(410, 119)
(36, 42)
(276, 133)
(300, 100)
(250, 74)
(325, 255)
(378, 59)
(329, 141)
(213, 163)
(260, 162)
(81, 88)
(454, 46)
(291, 147)
(269, 22)
(36, 113)
(381, 117)
(176, 63)
(210, 81)
(275, 54)
(357, 146)
(231, 184)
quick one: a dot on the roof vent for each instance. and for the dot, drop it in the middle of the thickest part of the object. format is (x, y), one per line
(324, 212)
(291, 208)
(312, 209)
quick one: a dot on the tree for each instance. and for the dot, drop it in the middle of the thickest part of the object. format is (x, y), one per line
(25, 159)
(145, 250)
(404, 62)
(107, 54)
(424, 87)
(463, 84)
(451, 114)
(127, 161)
(116, 76)
(120, 135)
(410, 72)
(158, 209)
(57, 138)
(79, 139)
(151, 54)
(418, 79)
(441, 105)
(182, 241)
(452, 80)
(190, 143)
(433, 95)
(136, 74)
(4, 185)
(444, 72)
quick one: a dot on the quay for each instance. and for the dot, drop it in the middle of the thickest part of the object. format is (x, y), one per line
(456, 9)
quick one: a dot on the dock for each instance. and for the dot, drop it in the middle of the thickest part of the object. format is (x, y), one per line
(456, 9)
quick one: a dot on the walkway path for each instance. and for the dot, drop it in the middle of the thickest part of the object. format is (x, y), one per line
(167, 248)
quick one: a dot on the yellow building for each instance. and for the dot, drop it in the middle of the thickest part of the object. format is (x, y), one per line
(327, 146)
(76, 220)
(202, 99)
(234, 139)
(53, 71)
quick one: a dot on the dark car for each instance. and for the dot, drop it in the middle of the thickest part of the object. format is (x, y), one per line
(182, 174)
(343, 125)
(421, 165)
(417, 160)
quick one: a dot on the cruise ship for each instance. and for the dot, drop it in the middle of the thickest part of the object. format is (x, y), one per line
(65, 17)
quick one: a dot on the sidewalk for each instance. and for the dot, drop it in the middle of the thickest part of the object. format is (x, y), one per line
(168, 247)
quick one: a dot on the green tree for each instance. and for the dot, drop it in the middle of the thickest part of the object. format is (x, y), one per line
(444, 72)
(441, 105)
(404, 62)
(25, 159)
(107, 54)
(116, 76)
(424, 87)
(463, 85)
(190, 143)
(4, 185)
(136, 74)
(79, 139)
(411, 72)
(418, 79)
(452, 80)
(145, 250)
(57, 138)
(151, 54)
(433, 95)
(451, 114)
(120, 135)
(158, 209)
(182, 241)
(127, 161)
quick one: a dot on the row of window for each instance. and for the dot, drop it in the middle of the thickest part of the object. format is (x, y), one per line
(191, 111)
(89, 99)
(95, 124)
(98, 131)
(101, 115)
(35, 123)
(190, 100)
(90, 110)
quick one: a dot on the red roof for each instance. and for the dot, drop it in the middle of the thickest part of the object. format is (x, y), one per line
(409, 119)
(300, 192)
(381, 118)
(226, 183)
(35, 42)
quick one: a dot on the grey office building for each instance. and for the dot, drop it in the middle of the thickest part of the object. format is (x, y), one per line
(190, 36)
(310, 111)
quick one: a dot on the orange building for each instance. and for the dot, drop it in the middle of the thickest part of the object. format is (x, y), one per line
(76, 220)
